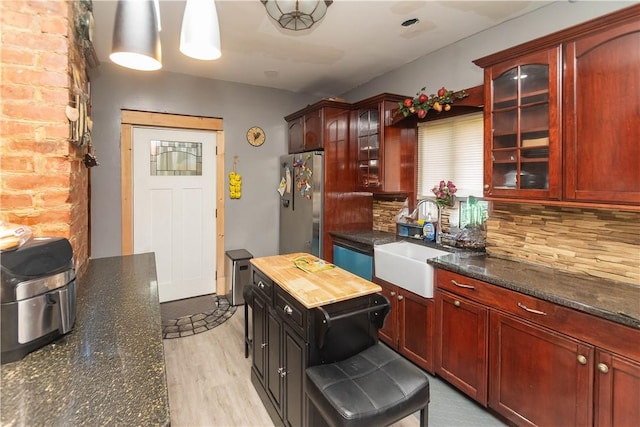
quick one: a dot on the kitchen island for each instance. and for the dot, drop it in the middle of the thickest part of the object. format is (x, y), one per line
(306, 318)
(109, 370)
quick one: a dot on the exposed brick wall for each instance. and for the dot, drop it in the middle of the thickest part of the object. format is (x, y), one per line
(586, 241)
(44, 184)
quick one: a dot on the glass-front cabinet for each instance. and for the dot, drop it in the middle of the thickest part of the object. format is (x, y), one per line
(522, 132)
(368, 146)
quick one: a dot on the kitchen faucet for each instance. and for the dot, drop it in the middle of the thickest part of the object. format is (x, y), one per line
(427, 213)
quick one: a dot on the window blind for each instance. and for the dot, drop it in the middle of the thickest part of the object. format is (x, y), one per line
(451, 149)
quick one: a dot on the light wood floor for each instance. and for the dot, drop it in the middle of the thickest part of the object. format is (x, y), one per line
(209, 380)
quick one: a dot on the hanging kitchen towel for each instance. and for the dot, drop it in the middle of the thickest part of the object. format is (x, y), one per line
(287, 174)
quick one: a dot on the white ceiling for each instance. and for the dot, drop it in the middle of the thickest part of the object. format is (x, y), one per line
(356, 41)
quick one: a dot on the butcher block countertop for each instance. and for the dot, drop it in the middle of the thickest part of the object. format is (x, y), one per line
(313, 289)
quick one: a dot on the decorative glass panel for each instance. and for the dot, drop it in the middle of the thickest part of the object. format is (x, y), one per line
(172, 158)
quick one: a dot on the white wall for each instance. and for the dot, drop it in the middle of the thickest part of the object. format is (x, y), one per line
(251, 222)
(452, 66)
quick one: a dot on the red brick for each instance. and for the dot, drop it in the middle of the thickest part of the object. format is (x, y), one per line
(59, 96)
(54, 25)
(16, 19)
(17, 92)
(19, 182)
(20, 75)
(42, 113)
(52, 61)
(17, 163)
(15, 200)
(53, 165)
(17, 55)
(54, 198)
(35, 148)
(13, 130)
(49, 7)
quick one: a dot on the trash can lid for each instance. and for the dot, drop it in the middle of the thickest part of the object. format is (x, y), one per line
(237, 254)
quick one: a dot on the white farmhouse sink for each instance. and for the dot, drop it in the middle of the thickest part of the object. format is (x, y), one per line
(405, 264)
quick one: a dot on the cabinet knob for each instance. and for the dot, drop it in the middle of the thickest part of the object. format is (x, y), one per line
(486, 186)
(582, 360)
(264, 344)
(400, 297)
(282, 372)
(393, 294)
(287, 310)
(260, 284)
(603, 368)
(456, 303)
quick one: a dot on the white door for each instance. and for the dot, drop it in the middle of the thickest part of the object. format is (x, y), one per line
(174, 190)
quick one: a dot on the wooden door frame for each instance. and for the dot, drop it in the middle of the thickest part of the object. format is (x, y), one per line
(142, 118)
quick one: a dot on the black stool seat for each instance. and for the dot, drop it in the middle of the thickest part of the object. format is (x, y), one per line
(373, 388)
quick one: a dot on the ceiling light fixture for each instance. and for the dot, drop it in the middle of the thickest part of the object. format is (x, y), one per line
(200, 35)
(296, 15)
(136, 38)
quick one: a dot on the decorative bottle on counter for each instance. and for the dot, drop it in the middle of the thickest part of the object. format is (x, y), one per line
(429, 229)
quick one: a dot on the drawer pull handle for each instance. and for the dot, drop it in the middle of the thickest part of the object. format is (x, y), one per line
(393, 294)
(603, 368)
(456, 303)
(582, 360)
(460, 285)
(260, 284)
(531, 310)
(287, 310)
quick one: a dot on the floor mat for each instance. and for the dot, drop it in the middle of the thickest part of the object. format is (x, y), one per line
(194, 315)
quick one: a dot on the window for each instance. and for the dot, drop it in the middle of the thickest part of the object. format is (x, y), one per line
(451, 149)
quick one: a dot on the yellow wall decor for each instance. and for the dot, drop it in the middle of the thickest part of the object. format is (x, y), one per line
(235, 181)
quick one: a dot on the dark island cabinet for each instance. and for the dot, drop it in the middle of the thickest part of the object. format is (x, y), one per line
(545, 364)
(602, 115)
(408, 328)
(561, 116)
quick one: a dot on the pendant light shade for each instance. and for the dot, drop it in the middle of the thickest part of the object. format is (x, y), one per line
(296, 15)
(136, 38)
(200, 35)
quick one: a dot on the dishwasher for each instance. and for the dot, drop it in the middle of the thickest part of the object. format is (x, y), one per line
(356, 258)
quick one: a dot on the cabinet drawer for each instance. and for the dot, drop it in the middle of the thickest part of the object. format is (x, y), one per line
(264, 285)
(291, 311)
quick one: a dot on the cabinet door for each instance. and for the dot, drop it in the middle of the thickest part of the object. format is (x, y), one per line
(416, 329)
(259, 337)
(274, 360)
(522, 128)
(539, 377)
(294, 365)
(602, 104)
(617, 390)
(296, 135)
(461, 348)
(313, 130)
(389, 332)
(368, 148)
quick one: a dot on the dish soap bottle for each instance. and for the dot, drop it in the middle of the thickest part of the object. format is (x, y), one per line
(429, 229)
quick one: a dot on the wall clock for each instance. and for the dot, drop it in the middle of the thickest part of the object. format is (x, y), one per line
(255, 136)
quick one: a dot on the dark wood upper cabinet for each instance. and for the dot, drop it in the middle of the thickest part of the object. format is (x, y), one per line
(385, 154)
(602, 115)
(306, 127)
(572, 141)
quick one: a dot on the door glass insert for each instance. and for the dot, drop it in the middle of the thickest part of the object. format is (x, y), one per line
(173, 158)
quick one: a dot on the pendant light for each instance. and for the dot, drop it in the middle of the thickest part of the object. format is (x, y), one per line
(296, 15)
(200, 35)
(136, 38)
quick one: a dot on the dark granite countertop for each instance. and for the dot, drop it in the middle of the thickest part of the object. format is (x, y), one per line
(109, 370)
(615, 301)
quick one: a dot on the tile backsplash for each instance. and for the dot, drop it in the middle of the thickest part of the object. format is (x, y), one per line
(596, 242)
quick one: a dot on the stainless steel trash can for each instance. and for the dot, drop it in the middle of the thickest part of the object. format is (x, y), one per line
(237, 270)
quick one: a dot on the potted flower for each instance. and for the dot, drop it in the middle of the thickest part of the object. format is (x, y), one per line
(444, 193)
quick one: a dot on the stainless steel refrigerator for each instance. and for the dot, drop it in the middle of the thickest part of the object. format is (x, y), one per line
(301, 202)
